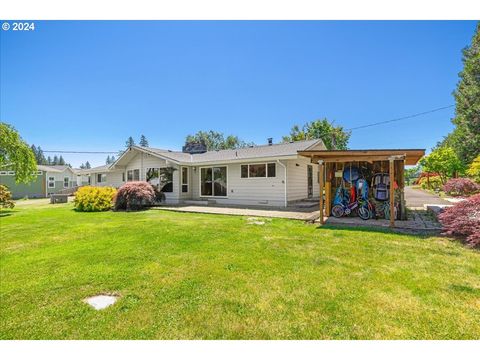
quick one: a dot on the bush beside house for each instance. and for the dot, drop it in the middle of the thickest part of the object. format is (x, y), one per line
(6, 198)
(135, 195)
(91, 198)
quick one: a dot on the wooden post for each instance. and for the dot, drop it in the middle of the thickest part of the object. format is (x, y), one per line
(328, 189)
(391, 174)
(401, 184)
(320, 169)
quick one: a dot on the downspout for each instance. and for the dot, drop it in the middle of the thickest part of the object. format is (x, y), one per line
(285, 182)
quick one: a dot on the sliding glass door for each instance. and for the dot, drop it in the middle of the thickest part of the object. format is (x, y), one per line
(213, 181)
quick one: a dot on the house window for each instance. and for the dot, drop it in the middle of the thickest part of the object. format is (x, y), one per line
(184, 179)
(213, 181)
(258, 170)
(3, 173)
(133, 175)
(162, 178)
(11, 173)
(123, 177)
(101, 178)
(39, 172)
(66, 181)
(51, 182)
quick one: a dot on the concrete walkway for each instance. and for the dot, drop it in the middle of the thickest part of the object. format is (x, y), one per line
(287, 213)
(417, 198)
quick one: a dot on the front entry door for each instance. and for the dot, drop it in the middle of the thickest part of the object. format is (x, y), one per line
(310, 180)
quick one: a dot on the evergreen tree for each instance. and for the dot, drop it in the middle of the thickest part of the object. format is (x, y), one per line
(61, 161)
(112, 159)
(82, 166)
(129, 142)
(87, 165)
(108, 160)
(55, 160)
(143, 141)
(40, 156)
(465, 138)
(49, 160)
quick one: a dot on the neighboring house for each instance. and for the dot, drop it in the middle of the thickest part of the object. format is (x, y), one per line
(269, 175)
(49, 180)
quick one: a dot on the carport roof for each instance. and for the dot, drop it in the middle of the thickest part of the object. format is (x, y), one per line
(411, 156)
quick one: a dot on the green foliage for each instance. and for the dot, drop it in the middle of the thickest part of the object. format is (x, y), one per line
(474, 169)
(215, 140)
(431, 183)
(334, 137)
(129, 142)
(6, 198)
(412, 174)
(92, 198)
(443, 161)
(465, 138)
(16, 154)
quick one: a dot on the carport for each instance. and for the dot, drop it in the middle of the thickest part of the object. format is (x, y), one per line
(391, 161)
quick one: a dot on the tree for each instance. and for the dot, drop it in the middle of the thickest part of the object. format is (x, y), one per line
(16, 154)
(110, 160)
(465, 138)
(82, 166)
(39, 156)
(107, 161)
(143, 141)
(6, 198)
(87, 165)
(61, 161)
(129, 142)
(474, 169)
(334, 137)
(412, 174)
(55, 160)
(443, 161)
(215, 140)
(49, 160)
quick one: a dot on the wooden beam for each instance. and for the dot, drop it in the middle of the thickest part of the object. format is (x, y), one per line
(321, 170)
(391, 174)
(328, 188)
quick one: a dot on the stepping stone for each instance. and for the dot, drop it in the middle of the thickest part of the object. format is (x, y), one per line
(100, 302)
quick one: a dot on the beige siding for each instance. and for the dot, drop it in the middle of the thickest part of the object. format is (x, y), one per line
(241, 191)
(114, 179)
(297, 187)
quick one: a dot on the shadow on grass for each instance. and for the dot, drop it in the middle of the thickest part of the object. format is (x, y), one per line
(382, 230)
(4, 213)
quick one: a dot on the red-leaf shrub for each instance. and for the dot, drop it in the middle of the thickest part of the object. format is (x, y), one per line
(461, 186)
(135, 195)
(463, 219)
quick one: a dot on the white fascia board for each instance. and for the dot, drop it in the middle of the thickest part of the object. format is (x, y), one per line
(245, 160)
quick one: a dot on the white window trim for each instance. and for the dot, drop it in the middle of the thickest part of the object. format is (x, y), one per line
(3, 173)
(11, 173)
(101, 177)
(49, 181)
(258, 177)
(181, 180)
(200, 181)
(68, 182)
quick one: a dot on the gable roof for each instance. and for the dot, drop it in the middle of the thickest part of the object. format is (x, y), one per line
(247, 153)
(93, 169)
(54, 168)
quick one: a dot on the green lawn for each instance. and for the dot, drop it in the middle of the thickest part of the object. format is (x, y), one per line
(194, 276)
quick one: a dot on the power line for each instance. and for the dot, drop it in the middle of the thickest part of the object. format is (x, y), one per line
(402, 118)
(350, 129)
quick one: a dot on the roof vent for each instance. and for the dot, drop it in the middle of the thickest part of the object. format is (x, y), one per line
(194, 148)
(270, 141)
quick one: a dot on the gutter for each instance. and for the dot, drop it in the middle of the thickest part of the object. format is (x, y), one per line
(285, 182)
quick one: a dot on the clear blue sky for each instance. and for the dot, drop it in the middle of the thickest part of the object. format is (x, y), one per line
(85, 85)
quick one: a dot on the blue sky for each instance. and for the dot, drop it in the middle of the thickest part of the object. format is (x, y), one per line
(86, 85)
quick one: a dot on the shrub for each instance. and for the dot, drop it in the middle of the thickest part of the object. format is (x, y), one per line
(461, 186)
(463, 219)
(474, 169)
(91, 198)
(135, 195)
(6, 198)
(434, 181)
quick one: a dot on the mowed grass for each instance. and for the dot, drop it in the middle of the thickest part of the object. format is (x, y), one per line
(196, 276)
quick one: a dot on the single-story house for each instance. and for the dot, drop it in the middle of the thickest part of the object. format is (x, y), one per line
(49, 180)
(267, 175)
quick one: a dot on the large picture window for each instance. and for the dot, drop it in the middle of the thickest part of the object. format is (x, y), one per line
(161, 178)
(213, 181)
(101, 178)
(258, 170)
